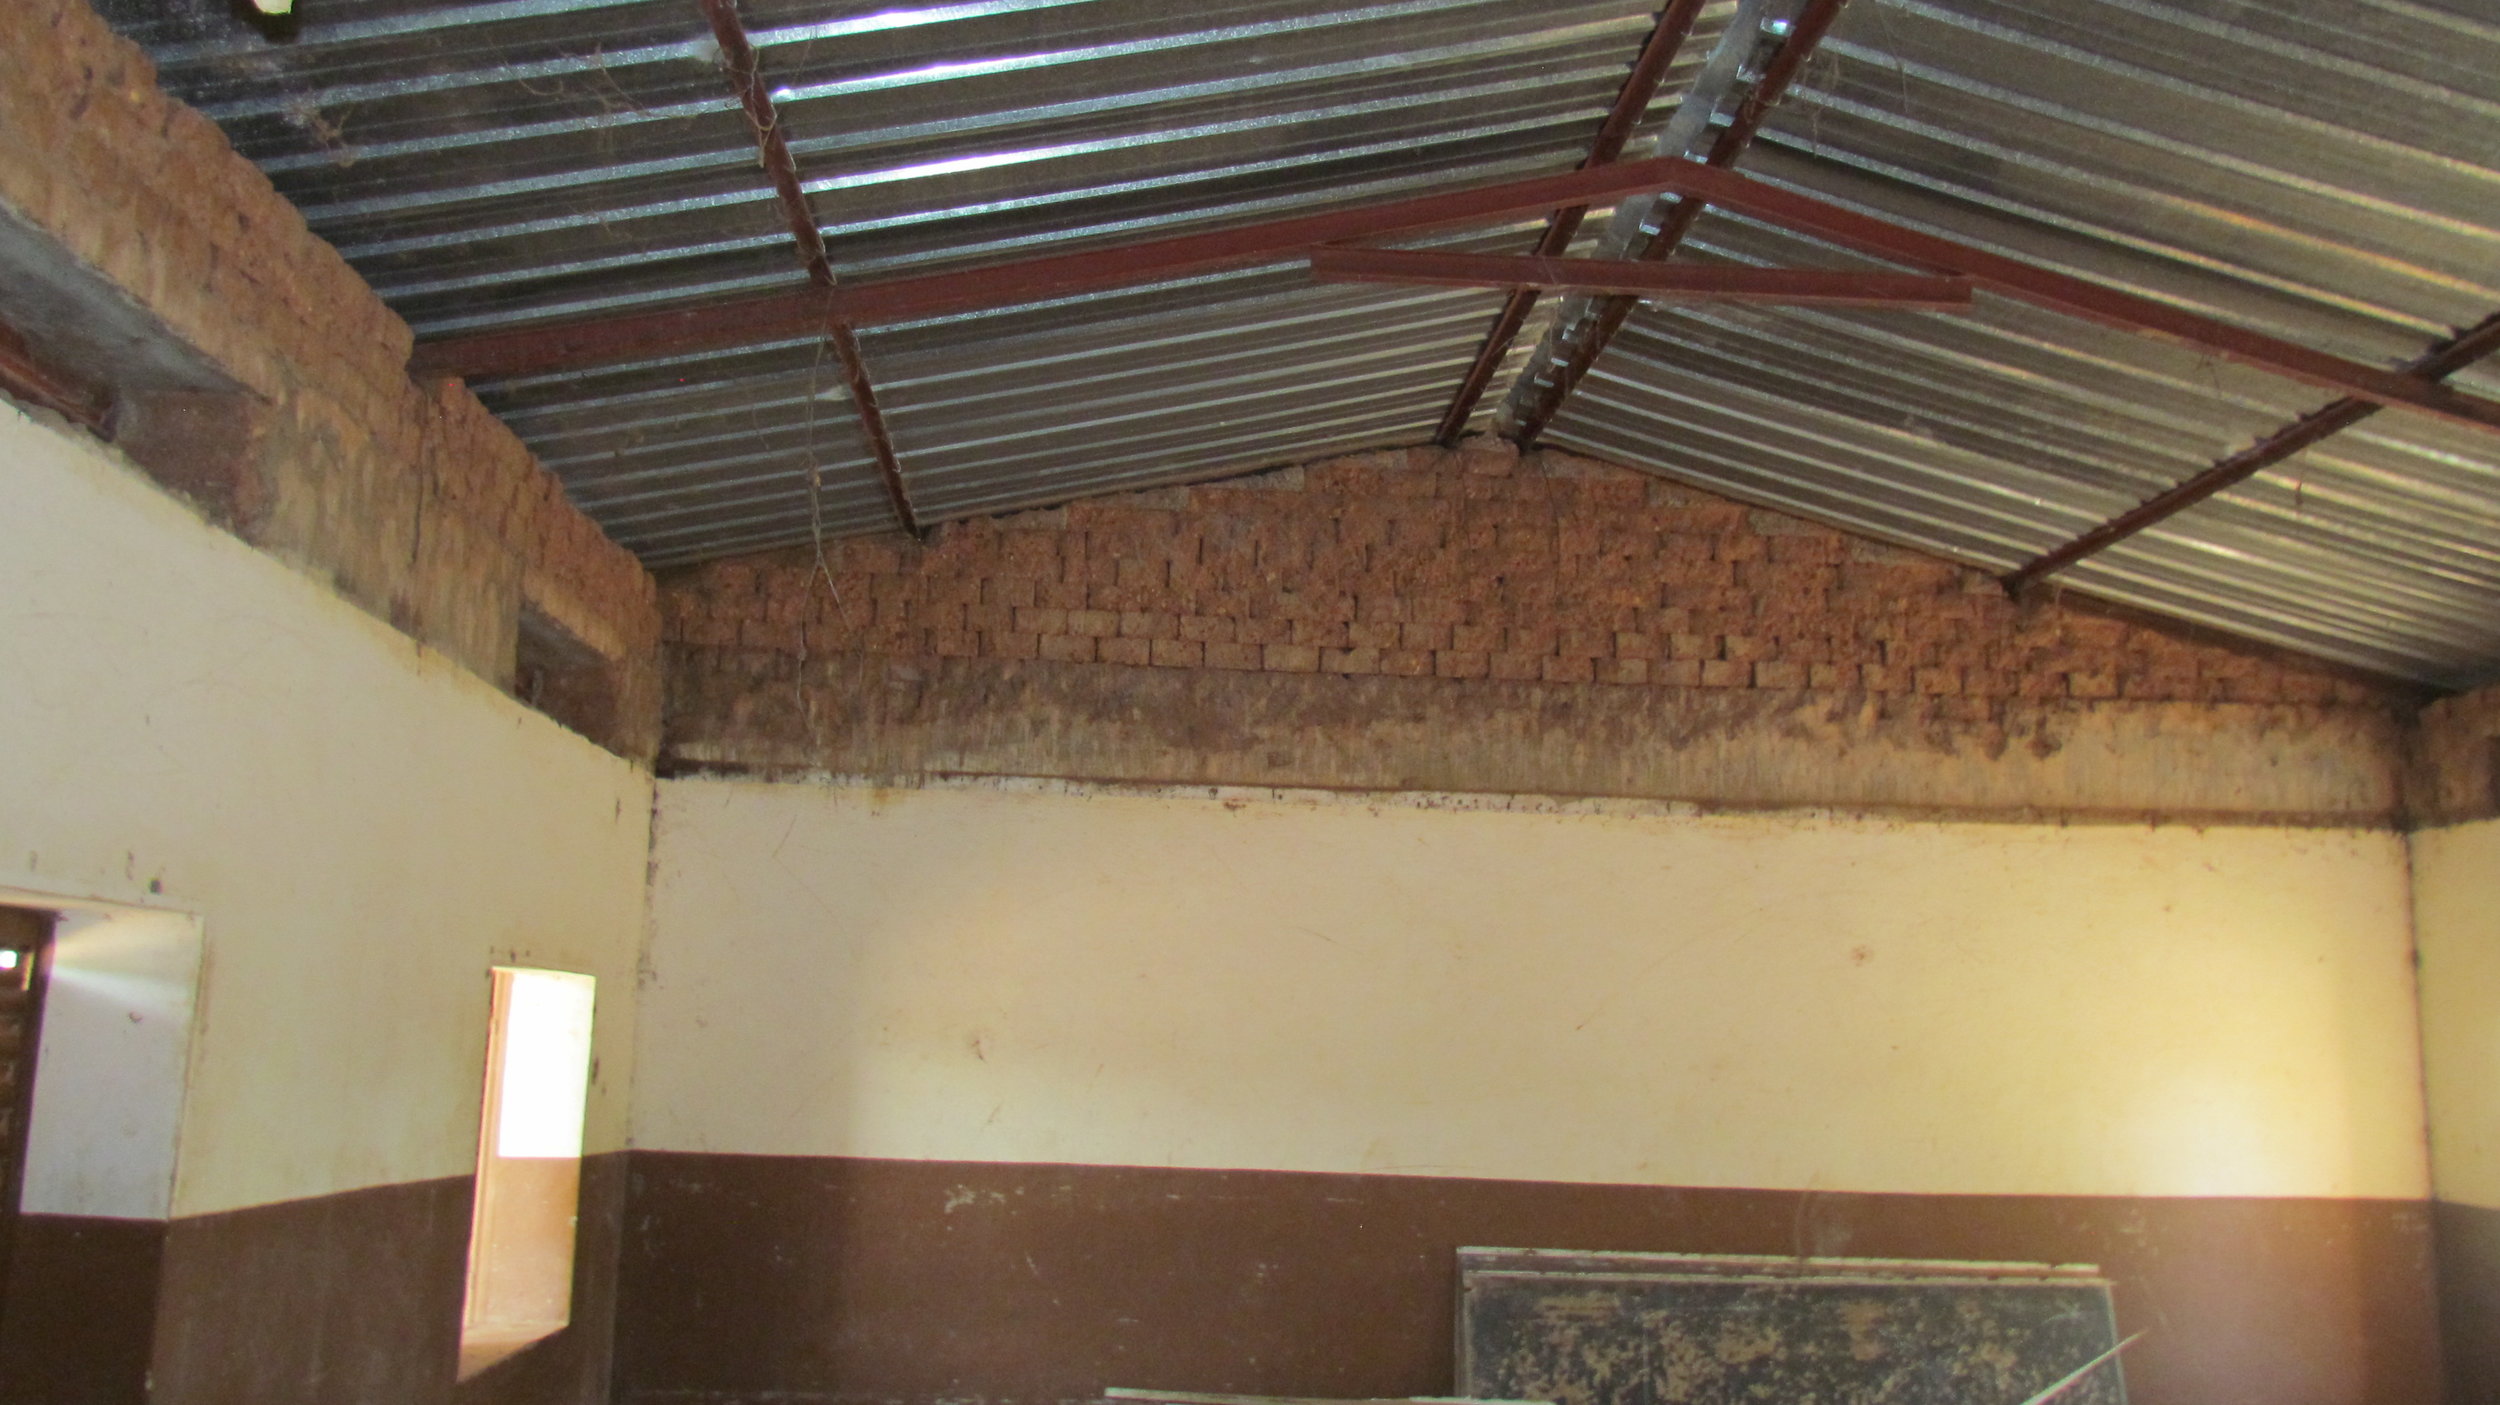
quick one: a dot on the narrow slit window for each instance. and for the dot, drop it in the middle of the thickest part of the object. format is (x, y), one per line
(529, 1164)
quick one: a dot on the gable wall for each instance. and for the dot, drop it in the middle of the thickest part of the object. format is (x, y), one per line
(1474, 621)
(1182, 920)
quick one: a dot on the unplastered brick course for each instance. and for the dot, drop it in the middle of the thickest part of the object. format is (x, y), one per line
(1469, 564)
(147, 191)
(2455, 760)
(410, 499)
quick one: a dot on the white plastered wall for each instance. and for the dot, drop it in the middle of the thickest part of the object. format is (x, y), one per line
(1041, 973)
(2456, 903)
(361, 827)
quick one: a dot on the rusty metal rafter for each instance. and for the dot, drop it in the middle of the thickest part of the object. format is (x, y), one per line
(768, 316)
(2450, 356)
(746, 79)
(1793, 287)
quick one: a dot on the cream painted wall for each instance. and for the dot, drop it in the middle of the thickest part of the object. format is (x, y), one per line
(362, 827)
(2456, 904)
(1326, 984)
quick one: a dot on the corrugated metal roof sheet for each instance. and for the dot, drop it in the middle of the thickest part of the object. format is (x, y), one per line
(2324, 170)
(686, 457)
(1170, 383)
(491, 164)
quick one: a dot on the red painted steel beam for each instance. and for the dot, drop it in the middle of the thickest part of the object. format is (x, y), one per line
(1807, 287)
(1777, 77)
(29, 379)
(2093, 302)
(746, 79)
(766, 317)
(1675, 25)
(2445, 359)
(748, 320)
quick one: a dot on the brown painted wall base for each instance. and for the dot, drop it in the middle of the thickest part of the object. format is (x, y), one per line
(344, 1297)
(79, 1311)
(350, 1297)
(796, 1279)
(2469, 1300)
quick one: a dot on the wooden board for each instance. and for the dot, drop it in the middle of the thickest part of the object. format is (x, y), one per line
(1668, 1329)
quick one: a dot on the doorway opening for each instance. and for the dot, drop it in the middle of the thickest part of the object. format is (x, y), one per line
(529, 1163)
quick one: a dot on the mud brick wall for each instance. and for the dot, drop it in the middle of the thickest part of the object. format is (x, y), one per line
(306, 436)
(1470, 564)
(2456, 759)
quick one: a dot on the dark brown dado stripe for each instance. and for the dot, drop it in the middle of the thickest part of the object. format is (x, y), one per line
(79, 1310)
(353, 1296)
(751, 1278)
(2469, 1300)
(356, 1297)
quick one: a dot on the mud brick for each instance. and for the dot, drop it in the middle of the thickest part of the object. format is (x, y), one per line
(1349, 660)
(1068, 648)
(1374, 636)
(1149, 624)
(1206, 629)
